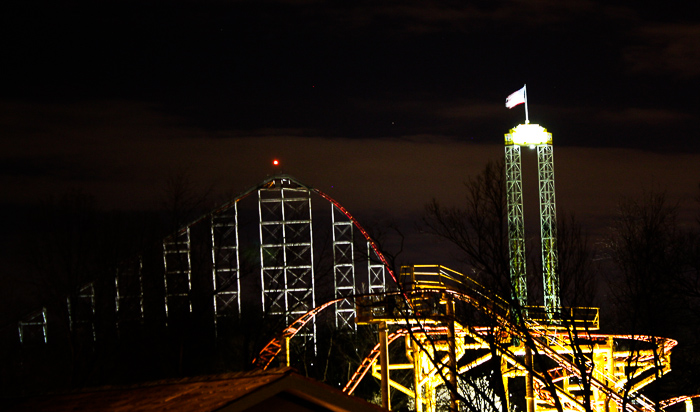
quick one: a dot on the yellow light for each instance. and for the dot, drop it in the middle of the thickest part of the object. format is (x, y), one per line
(529, 135)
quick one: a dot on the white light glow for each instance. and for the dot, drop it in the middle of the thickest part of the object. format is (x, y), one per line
(529, 135)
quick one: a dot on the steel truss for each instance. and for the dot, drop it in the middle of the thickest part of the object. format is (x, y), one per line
(33, 328)
(128, 298)
(286, 251)
(376, 270)
(548, 228)
(178, 276)
(343, 268)
(284, 229)
(533, 136)
(225, 264)
(81, 311)
(516, 224)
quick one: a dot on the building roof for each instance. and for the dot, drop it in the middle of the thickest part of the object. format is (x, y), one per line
(273, 390)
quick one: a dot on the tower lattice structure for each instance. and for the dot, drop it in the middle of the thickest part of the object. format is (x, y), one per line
(533, 136)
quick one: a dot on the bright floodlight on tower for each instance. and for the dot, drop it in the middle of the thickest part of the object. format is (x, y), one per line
(529, 135)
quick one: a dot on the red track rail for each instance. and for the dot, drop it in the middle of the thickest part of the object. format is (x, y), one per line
(372, 357)
(268, 353)
(368, 361)
(362, 230)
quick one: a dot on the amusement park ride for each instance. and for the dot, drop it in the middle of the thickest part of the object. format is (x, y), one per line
(457, 336)
(450, 325)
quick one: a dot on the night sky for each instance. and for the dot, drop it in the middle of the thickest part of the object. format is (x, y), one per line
(383, 105)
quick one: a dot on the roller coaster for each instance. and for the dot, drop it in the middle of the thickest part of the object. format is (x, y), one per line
(566, 365)
(439, 331)
(451, 326)
(283, 229)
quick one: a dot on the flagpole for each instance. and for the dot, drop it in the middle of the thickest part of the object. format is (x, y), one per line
(527, 119)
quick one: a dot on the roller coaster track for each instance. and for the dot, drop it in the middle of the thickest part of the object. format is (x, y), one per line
(362, 230)
(672, 401)
(371, 359)
(268, 183)
(270, 351)
(539, 340)
(534, 334)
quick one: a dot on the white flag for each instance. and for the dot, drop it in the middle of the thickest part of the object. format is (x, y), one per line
(516, 98)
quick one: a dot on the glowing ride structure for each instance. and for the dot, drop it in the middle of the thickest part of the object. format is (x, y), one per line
(585, 370)
(564, 363)
(450, 325)
(533, 136)
(206, 273)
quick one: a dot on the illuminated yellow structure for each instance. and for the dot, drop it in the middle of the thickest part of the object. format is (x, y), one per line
(585, 370)
(450, 326)
(565, 366)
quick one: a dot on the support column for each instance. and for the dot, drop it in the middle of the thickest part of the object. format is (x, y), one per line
(548, 231)
(286, 253)
(286, 348)
(417, 375)
(529, 387)
(343, 268)
(516, 225)
(504, 378)
(453, 353)
(384, 362)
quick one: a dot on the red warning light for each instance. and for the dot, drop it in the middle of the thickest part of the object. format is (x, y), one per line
(276, 162)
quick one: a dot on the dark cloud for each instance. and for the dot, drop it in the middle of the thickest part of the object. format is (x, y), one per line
(125, 159)
(659, 117)
(114, 95)
(47, 167)
(666, 49)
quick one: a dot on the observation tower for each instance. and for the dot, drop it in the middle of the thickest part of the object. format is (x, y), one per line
(532, 136)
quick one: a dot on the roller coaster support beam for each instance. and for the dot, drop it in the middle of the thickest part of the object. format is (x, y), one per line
(451, 341)
(548, 230)
(286, 347)
(529, 381)
(516, 226)
(384, 361)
